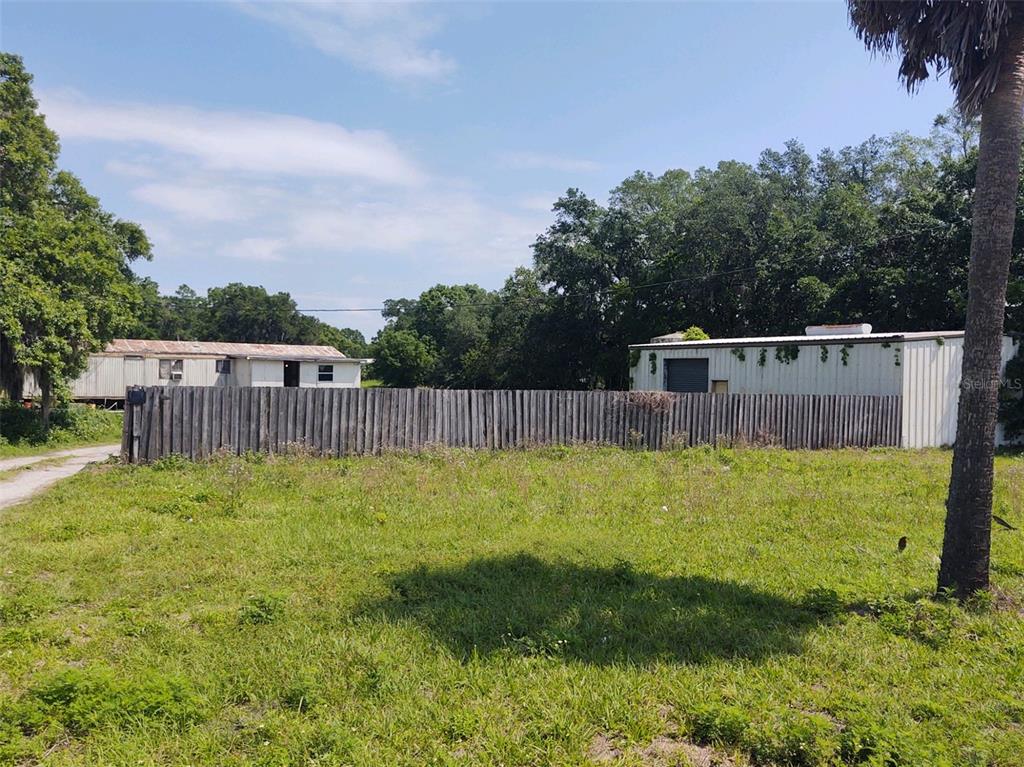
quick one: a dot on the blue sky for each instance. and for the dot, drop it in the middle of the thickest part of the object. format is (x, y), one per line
(352, 153)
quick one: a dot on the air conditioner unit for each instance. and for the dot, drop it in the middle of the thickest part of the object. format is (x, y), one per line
(176, 375)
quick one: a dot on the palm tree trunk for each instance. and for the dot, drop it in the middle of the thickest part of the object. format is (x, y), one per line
(967, 539)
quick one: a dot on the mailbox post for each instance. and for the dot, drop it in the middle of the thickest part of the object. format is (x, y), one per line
(135, 398)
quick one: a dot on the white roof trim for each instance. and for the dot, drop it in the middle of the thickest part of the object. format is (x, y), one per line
(858, 338)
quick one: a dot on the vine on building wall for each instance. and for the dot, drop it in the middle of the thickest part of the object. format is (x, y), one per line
(787, 353)
(845, 353)
(762, 357)
(739, 354)
(653, 359)
(824, 354)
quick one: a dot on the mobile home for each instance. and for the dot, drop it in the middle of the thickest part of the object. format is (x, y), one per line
(134, 362)
(923, 368)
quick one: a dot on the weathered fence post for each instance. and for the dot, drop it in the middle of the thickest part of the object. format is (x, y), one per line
(135, 398)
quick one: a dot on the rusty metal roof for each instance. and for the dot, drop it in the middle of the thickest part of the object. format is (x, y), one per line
(222, 349)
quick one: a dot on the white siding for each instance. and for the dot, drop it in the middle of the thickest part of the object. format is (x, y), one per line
(931, 390)
(242, 370)
(347, 375)
(869, 369)
(266, 372)
(271, 373)
(104, 376)
(195, 372)
(107, 377)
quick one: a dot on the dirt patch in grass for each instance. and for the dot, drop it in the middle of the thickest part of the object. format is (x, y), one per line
(663, 751)
(1006, 601)
(602, 749)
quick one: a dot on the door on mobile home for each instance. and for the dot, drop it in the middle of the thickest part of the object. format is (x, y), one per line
(686, 375)
(291, 373)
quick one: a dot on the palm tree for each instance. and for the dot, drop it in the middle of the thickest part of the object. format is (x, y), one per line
(980, 44)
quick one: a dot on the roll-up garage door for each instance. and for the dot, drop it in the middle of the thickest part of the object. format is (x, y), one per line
(686, 375)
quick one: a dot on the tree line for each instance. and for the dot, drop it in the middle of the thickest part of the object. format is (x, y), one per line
(236, 312)
(878, 232)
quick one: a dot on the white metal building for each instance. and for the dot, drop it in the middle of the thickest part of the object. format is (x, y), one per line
(924, 368)
(134, 362)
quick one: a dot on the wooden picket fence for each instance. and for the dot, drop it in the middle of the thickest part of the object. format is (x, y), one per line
(198, 422)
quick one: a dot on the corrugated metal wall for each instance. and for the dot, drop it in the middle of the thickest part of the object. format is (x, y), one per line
(931, 385)
(931, 390)
(926, 374)
(107, 377)
(868, 369)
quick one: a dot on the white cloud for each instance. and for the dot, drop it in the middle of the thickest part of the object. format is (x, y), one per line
(454, 227)
(243, 196)
(130, 169)
(252, 142)
(386, 38)
(263, 249)
(207, 200)
(541, 161)
(539, 203)
(204, 204)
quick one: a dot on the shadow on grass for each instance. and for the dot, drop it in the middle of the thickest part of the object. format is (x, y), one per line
(600, 615)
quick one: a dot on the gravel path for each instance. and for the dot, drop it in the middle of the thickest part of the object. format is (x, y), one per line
(27, 483)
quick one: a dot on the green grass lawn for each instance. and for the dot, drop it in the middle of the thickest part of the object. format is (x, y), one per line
(564, 607)
(21, 431)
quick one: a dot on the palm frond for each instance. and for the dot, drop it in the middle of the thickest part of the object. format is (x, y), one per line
(961, 37)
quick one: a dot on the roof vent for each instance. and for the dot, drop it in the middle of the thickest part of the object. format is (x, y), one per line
(853, 329)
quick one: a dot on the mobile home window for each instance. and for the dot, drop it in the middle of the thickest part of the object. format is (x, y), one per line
(325, 373)
(171, 368)
(224, 366)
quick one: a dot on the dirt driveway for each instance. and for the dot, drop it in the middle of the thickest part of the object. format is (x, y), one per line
(31, 478)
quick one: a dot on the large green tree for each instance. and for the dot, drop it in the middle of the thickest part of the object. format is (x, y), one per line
(66, 285)
(403, 358)
(452, 322)
(981, 47)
